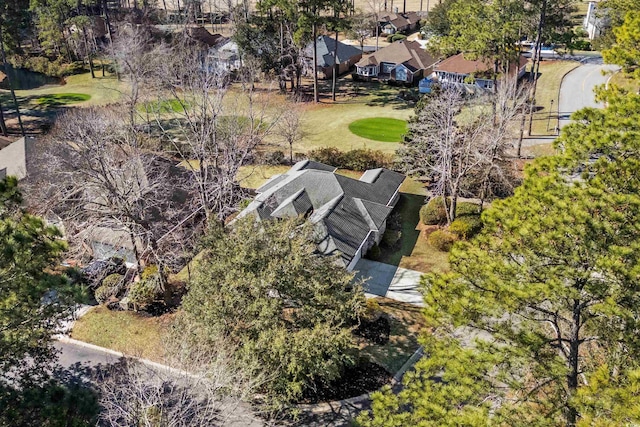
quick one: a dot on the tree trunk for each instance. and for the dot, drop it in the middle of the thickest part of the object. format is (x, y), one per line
(336, 70)
(86, 47)
(10, 83)
(3, 125)
(574, 366)
(536, 63)
(316, 97)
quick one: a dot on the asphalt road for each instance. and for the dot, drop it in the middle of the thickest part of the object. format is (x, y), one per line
(577, 90)
(72, 354)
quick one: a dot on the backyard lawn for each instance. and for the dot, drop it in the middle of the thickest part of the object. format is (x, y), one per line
(415, 252)
(548, 89)
(379, 129)
(127, 332)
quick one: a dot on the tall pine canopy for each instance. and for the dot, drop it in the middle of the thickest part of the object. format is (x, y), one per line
(32, 299)
(537, 322)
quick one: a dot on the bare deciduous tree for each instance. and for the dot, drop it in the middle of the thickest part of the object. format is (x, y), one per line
(289, 127)
(99, 181)
(443, 148)
(213, 128)
(203, 387)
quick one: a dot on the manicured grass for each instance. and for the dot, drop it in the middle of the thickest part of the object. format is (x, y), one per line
(327, 124)
(127, 332)
(59, 99)
(379, 129)
(548, 88)
(406, 321)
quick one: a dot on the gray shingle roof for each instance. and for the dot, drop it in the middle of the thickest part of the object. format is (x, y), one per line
(345, 210)
(325, 48)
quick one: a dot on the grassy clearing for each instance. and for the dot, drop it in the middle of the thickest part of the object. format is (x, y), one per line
(406, 321)
(620, 80)
(254, 176)
(539, 150)
(162, 107)
(327, 124)
(379, 129)
(60, 99)
(124, 331)
(545, 120)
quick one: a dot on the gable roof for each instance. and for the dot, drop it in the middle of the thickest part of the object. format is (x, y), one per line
(326, 47)
(344, 210)
(396, 19)
(15, 157)
(408, 53)
(460, 65)
(200, 34)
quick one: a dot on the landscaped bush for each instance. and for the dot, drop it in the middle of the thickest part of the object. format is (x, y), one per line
(144, 292)
(149, 272)
(374, 253)
(113, 281)
(433, 212)
(103, 293)
(372, 310)
(327, 155)
(391, 238)
(395, 37)
(362, 159)
(359, 159)
(466, 226)
(276, 157)
(442, 240)
(466, 208)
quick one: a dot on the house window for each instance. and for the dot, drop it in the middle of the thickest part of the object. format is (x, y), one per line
(387, 68)
(401, 74)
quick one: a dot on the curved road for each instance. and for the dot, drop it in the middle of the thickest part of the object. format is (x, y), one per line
(577, 90)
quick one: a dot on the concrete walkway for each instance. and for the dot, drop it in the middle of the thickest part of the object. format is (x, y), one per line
(390, 281)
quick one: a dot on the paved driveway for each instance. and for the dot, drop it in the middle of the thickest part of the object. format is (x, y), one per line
(390, 281)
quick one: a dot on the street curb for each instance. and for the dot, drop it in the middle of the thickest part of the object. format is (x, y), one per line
(68, 340)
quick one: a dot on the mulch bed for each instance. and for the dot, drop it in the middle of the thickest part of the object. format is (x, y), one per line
(363, 378)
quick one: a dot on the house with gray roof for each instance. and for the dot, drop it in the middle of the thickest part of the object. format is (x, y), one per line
(347, 56)
(403, 62)
(349, 215)
(15, 157)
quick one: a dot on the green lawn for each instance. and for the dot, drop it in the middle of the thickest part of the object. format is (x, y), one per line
(60, 99)
(327, 124)
(127, 332)
(379, 129)
(548, 89)
(415, 253)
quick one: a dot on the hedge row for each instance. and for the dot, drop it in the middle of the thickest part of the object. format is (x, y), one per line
(360, 159)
